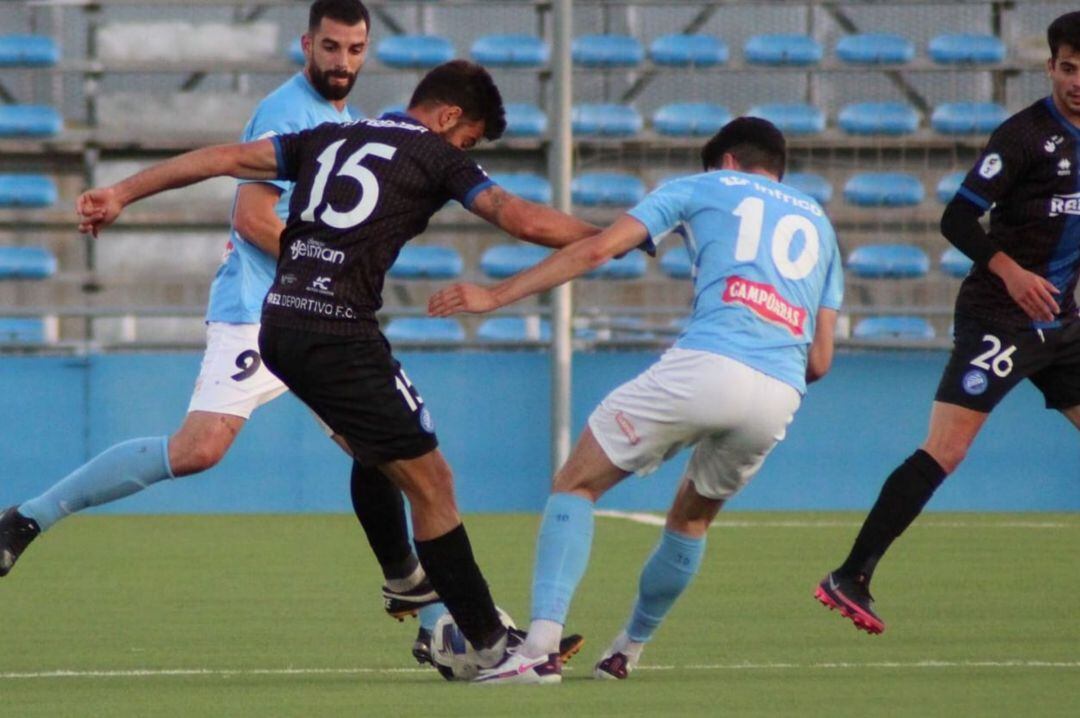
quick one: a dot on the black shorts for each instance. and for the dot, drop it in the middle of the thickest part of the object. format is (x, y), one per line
(356, 387)
(987, 362)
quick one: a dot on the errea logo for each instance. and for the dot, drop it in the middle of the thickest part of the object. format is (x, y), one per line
(1064, 167)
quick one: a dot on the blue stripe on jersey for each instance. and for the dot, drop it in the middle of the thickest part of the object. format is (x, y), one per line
(973, 198)
(475, 191)
(1063, 262)
(279, 156)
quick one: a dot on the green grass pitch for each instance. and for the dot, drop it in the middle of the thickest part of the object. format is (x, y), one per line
(280, 616)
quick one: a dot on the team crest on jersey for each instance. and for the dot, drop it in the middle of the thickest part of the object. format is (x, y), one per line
(1052, 144)
(991, 166)
(763, 300)
(1064, 167)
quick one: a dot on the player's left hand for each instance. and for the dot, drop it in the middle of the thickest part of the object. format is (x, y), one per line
(459, 298)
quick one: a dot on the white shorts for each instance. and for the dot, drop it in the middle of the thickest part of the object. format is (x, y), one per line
(232, 379)
(734, 414)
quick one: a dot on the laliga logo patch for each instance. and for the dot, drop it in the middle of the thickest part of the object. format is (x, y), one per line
(426, 422)
(990, 166)
(975, 382)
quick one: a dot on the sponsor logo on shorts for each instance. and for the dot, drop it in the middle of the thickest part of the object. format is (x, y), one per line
(763, 300)
(426, 422)
(315, 249)
(1065, 204)
(627, 428)
(975, 382)
(991, 166)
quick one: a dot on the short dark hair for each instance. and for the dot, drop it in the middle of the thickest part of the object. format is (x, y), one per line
(755, 143)
(468, 86)
(1064, 31)
(348, 12)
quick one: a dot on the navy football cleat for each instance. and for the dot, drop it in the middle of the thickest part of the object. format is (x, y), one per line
(16, 533)
(851, 597)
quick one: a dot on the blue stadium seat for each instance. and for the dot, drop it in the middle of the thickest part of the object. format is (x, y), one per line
(794, 118)
(524, 120)
(883, 189)
(888, 261)
(898, 327)
(630, 266)
(296, 52)
(527, 185)
(688, 51)
(30, 121)
(965, 118)
(812, 184)
(416, 51)
(504, 260)
(426, 262)
(26, 263)
(605, 120)
(514, 329)
(878, 118)
(875, 48)
(606, 51)
(510, 51)
(606, 189)
(955, 263)
(28, 51)
(22, 330)
(948, 185)
(966, 48)
(676, 263)
(27, 191)
(690, 119)
(782, 50)
(436, 330)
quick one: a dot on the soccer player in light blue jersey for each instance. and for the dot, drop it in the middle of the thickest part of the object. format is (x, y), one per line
(767, 286)
(232, 381)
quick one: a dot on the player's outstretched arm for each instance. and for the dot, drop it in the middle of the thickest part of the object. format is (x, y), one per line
(569, 262)
(819, 358)
(100, 207)
(529, 221)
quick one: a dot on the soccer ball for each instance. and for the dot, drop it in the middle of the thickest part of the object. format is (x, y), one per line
(454, 656)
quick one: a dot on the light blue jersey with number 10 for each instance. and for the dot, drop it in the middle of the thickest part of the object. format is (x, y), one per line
(246, 272)
(764, 260)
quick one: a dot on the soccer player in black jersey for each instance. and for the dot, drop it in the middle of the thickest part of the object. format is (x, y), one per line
(362, 190)
(1016, 314)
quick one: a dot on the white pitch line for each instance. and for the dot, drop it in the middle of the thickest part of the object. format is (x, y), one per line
(873, 665)
(658, 520)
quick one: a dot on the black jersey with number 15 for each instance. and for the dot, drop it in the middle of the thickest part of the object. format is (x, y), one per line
(1030, 174)
(362, 190)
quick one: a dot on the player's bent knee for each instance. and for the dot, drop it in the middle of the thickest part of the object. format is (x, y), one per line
(188, 459)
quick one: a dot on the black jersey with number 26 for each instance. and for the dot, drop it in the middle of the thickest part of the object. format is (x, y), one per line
(1030, 174)
(362, 190)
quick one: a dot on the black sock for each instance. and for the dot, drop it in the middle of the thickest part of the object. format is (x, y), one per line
(902, 498)
(381, 511)
(449, 563)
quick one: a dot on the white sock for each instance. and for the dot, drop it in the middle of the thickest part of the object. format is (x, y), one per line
(543, 638)
(631, 649)
(408, 583)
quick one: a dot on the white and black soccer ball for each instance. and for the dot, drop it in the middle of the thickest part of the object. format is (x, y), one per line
(454, 656)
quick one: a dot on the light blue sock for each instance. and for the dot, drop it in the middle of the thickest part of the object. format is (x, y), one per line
(562, 553)
(429, 615)
(664, 577)
(113, 474)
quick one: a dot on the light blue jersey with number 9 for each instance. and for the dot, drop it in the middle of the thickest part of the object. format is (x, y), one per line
(246, 272)
(764, 260)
